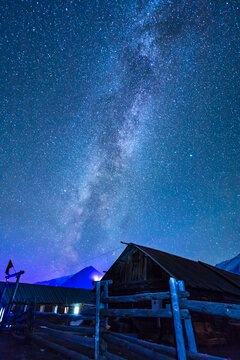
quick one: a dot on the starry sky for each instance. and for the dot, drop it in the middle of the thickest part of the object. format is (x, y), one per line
(119, 121)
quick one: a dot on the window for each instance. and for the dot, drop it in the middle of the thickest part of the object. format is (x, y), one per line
(76, 309)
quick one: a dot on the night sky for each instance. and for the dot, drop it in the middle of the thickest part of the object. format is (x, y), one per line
(119, 121)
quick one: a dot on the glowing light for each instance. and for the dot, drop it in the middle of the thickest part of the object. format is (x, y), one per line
(76, 310)
(97, 277)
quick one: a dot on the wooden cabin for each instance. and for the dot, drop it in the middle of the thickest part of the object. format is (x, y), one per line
(141, 269)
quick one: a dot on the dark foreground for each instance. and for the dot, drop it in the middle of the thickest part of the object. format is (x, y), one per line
(18, 349)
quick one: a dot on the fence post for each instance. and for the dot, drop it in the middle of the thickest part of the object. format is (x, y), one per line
(188, 325)
(105, 293)
(97, 326)
(181, 351)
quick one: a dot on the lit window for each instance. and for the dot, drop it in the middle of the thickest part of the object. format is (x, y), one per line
(66, 309)
(76, 309)
(55, 309)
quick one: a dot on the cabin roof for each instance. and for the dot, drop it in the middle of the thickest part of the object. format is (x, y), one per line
(44, 294)
(195, 274)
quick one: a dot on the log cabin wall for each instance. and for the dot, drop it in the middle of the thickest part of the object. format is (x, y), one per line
(137, 273)
(138, 267)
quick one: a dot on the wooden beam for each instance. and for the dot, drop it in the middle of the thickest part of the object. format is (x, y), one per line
(78, 329)
(110, 356)
(163, 349)
(181, 351)
(188, 325)
(63, 316)
(97, 326)
(15, 274)
(71, 339)
(164, 313)
(70, 354)
(135, 348)
(140, 297)
(230, 311)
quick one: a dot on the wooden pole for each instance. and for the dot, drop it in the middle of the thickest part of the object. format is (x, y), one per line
(68, 339)
(181, 351)
(3, 294)
(63, 316)
(11, 301)
(136, 349)
(230, 311)
(163, 349)
(85, 330)
(188, 326)
(103, 343)
(97, 326)
(164, 313)
(70, 354)
(106, 305)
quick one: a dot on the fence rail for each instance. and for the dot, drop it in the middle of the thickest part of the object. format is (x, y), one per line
(230, 311)
(141, 297)
(98, 342)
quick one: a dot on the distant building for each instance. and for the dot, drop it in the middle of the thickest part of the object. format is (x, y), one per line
(47, 298)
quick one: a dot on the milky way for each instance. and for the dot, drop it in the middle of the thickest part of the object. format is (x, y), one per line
(119, 122)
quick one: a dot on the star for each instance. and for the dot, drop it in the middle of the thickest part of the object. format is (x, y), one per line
(120, 122)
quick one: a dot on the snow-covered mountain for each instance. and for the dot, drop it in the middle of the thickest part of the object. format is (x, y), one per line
(82, 279)
(232, 265)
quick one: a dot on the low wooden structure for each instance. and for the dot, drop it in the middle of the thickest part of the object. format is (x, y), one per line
(98, 341)
(45, 298)
(17, 298)
(145, 269)
(141, 298)
(142, 269)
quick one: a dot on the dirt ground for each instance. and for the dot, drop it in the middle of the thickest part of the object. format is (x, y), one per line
(17, 349)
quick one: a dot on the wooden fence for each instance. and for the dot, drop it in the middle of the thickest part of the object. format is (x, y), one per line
(96, 341)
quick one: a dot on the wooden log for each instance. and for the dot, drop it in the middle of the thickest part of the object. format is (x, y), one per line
(87, 330)
(181, 351)
(70, 338)
(140, 297)
(102, 282)
(188, 326)
(102, 343)
(70, 354)
(230, 311)
(135, 348)
(163, 349)
(164, 313)
(63, 316)
(97, 326)
(105, 295)
(13, 295)
(110, 356)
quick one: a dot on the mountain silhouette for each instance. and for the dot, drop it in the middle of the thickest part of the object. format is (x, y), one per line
(232, 265)
(82, 279)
